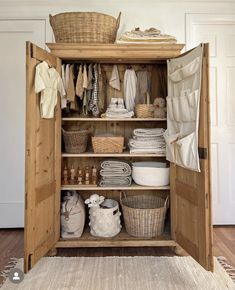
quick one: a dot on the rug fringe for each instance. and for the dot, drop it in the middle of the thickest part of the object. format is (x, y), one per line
(228, 268)
(4, 274)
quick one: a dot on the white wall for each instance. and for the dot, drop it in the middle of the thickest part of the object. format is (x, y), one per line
(169, 16)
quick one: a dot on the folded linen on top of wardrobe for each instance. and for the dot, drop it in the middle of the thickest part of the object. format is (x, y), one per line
(115, 168)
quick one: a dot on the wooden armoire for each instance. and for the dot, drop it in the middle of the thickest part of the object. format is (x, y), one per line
(190, 192)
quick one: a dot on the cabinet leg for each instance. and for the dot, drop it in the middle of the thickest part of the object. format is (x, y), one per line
(52, 252)
(179, 251)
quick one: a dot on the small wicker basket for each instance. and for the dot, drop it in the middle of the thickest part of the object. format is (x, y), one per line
(108, 144)
(75, 141)
(84, 27)
(145, 110)
(144, 215)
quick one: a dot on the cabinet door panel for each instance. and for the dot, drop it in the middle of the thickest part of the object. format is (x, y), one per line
(190, 190)
(42, 204)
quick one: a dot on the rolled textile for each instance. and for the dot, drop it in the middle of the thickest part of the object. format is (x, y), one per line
(110, 168)
(116, 181)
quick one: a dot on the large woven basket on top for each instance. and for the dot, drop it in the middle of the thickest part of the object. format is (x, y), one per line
(75, 141)
(107, 144)
(144, 215)
(84, 27)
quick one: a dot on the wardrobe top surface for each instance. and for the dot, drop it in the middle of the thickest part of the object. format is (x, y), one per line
(116, 52)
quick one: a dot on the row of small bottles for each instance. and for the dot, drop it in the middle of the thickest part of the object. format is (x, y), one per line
(87, 176)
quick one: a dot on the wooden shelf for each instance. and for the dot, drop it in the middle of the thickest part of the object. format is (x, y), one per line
(124, 154)
(114, 120)
(99, 188)
(116, 53)
(123, 239)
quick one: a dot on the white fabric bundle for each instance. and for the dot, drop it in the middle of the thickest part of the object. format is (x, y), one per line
(117, 110)
(148, 141)
(130, 83)
(115, 173)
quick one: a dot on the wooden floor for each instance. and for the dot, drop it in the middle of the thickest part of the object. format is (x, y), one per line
(11, 245)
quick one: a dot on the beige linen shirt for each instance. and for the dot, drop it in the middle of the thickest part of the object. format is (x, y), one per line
(48, 82)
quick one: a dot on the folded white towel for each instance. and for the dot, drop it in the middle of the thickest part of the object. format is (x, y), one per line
(148, 132)
(148, 150)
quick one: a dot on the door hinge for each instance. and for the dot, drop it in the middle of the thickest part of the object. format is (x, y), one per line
(203, 153)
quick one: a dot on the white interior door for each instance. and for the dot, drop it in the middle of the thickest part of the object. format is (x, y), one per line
(219, 31)
(13, 35)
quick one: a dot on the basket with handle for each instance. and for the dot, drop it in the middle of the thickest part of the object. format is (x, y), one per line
(75, 141)
(144, 215)
(144, 110)
(84, 27)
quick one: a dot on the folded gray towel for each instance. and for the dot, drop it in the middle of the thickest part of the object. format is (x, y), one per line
(115, 168)
(115, 181)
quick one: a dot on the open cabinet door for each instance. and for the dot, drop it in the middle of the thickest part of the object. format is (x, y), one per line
(42, 188)
(191, 190)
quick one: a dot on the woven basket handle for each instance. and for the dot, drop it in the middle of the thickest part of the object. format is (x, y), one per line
(167, 201)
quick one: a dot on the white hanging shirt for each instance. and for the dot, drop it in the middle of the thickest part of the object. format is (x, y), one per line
(130, 81)
(48, 82)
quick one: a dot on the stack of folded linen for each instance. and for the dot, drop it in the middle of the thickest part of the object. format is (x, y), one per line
(151, 35)
(148, 141)
(115, 173)
(117, 110)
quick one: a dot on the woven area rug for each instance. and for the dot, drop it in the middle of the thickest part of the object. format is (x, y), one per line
(121, 273)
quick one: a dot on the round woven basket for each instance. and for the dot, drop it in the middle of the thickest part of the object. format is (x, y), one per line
(84, 27)
(144, 215)
(75, 141)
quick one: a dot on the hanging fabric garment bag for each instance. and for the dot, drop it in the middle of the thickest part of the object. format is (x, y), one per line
(183, 105)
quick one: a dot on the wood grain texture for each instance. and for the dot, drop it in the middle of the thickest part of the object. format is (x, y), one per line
(190, 191)
(112, 53)
(43, 155)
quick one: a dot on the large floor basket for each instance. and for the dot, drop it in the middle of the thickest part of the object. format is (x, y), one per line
(84, 27)
(144, 215)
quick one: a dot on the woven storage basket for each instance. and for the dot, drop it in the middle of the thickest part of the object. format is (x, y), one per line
(144, 111)
(75, 141)
(144, 215)
(108, 144)
(84, 27)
